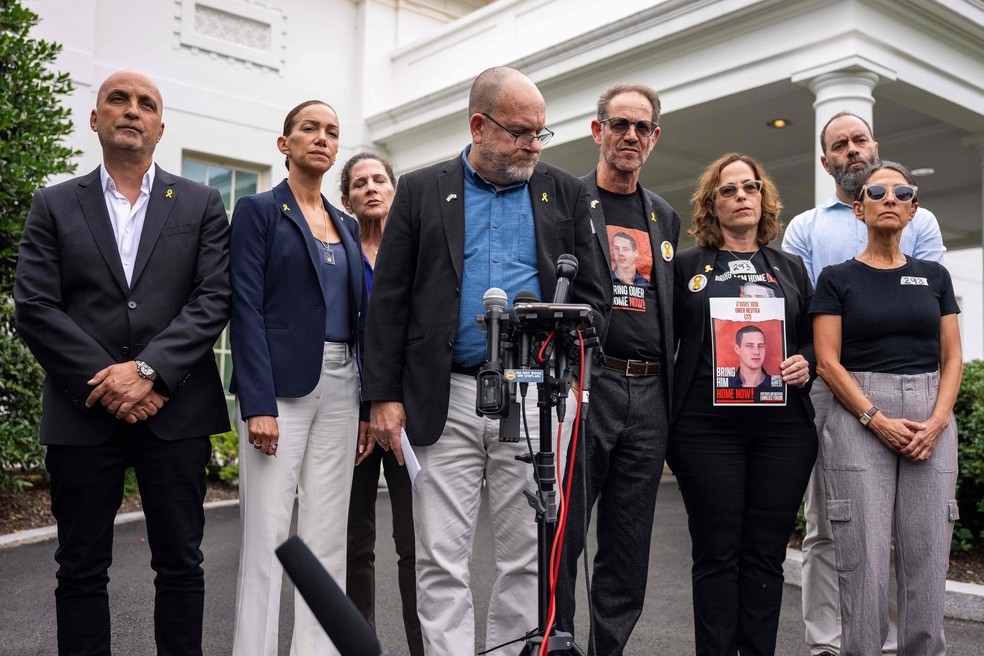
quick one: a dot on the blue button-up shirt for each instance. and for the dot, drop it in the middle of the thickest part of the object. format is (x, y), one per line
(830, 233)
(500, 251)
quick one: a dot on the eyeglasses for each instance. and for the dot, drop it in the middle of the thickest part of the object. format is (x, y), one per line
(902, 192)
(526, 139)
(643, 129)
(750, 187)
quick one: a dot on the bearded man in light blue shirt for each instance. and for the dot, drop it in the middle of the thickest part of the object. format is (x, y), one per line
(829, 234)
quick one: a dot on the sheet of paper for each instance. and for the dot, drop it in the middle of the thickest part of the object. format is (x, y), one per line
(410, 458)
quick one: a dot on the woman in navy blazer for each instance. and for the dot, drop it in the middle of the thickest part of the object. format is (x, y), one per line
(742, 470)
(298, 316)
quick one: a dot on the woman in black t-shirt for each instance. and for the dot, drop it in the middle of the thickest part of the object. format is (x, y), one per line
(742, 441)
(888, 346)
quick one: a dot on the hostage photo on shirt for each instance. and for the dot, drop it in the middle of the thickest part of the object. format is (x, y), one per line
(748, 342)
(632, 266)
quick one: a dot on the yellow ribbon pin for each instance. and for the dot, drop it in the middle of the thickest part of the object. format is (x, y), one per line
(653, 217)
(169, 193)
(286, 209)
(708, 268)
(543, 198)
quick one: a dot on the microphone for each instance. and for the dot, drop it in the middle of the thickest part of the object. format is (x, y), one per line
(492, 394)
(525, 296)
(337, 615)
(494, 301)
(566, 270)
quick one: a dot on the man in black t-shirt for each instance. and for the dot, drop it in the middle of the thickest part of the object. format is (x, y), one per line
(624, 444)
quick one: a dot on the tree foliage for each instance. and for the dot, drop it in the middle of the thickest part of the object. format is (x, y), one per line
(969, 413)
(33, 126)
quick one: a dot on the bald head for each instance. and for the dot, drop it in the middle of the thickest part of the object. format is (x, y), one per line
(488, 87)
(127, 118)
(121, 79)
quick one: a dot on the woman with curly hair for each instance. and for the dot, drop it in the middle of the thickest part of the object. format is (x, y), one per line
(742, 469)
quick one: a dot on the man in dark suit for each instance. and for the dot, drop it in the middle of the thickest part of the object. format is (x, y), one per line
(628, 426)
(492, 217)
(122, 288)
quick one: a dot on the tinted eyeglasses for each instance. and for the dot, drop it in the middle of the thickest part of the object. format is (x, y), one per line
(902, 192)
(524, 140)
(643, 129)
(750, 187)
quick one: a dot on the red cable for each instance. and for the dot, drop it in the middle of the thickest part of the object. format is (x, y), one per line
(557, 546)
(539, 356)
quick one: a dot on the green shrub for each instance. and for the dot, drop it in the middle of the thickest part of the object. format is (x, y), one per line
(225, 457)
(21, 380)
(969, 412)
(33, 126)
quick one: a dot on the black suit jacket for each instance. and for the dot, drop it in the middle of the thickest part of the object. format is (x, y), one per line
(663, 226)
(78, 315)
(413, 309)
(690, 315)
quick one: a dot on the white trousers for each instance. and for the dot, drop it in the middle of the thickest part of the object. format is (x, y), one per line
(315, 459)
(448, 494)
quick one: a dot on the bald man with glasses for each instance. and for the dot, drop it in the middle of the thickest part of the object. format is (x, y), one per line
(492, 217)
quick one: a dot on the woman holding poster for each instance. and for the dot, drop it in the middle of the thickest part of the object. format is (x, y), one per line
(742, 441)
(888, 346)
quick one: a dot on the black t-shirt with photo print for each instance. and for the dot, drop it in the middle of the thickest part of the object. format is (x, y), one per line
(634, 332)
(890, 318)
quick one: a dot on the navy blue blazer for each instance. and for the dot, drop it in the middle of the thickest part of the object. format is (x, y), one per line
(277, 331)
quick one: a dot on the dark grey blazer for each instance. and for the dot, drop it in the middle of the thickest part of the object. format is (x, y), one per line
(416, 288)
(78, 315)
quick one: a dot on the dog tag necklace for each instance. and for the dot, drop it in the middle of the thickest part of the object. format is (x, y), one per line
(329, 254)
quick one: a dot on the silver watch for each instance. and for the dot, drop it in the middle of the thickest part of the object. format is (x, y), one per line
(144, 370)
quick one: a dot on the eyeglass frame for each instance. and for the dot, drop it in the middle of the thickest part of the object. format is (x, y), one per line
(653, 126)
(758, 185)
(864, 192)
(545, 135)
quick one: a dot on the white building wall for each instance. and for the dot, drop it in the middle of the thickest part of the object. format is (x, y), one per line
(966, 268)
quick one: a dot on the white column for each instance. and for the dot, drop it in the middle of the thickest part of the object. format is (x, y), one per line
(838, 91)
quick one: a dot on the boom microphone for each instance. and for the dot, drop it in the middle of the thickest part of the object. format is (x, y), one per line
(494, 301)
(337, 615)
(566, 270)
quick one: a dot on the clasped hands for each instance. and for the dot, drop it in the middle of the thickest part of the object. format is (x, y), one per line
(912, 439)
(124, 393)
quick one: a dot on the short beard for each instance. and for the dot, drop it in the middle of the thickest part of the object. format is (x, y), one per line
(850, 179)
(510, 173)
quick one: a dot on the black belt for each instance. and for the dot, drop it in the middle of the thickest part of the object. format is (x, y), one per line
(634, 367)
(466, 371)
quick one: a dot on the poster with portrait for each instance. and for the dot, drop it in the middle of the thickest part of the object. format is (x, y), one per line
(748, 342)
(632, 267)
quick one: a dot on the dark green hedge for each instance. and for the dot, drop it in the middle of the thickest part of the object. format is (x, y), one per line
(969, 411)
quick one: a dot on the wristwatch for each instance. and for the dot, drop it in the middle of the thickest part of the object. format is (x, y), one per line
(865, 418)
(144, 370)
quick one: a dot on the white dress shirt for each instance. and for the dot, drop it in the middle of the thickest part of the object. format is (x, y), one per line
(127, 220)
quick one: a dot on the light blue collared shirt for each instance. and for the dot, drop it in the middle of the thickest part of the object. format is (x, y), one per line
(500, 251)
(831, 234)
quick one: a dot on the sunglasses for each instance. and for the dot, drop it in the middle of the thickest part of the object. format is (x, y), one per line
(750, 187)
(902, 192)
(618, 125)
